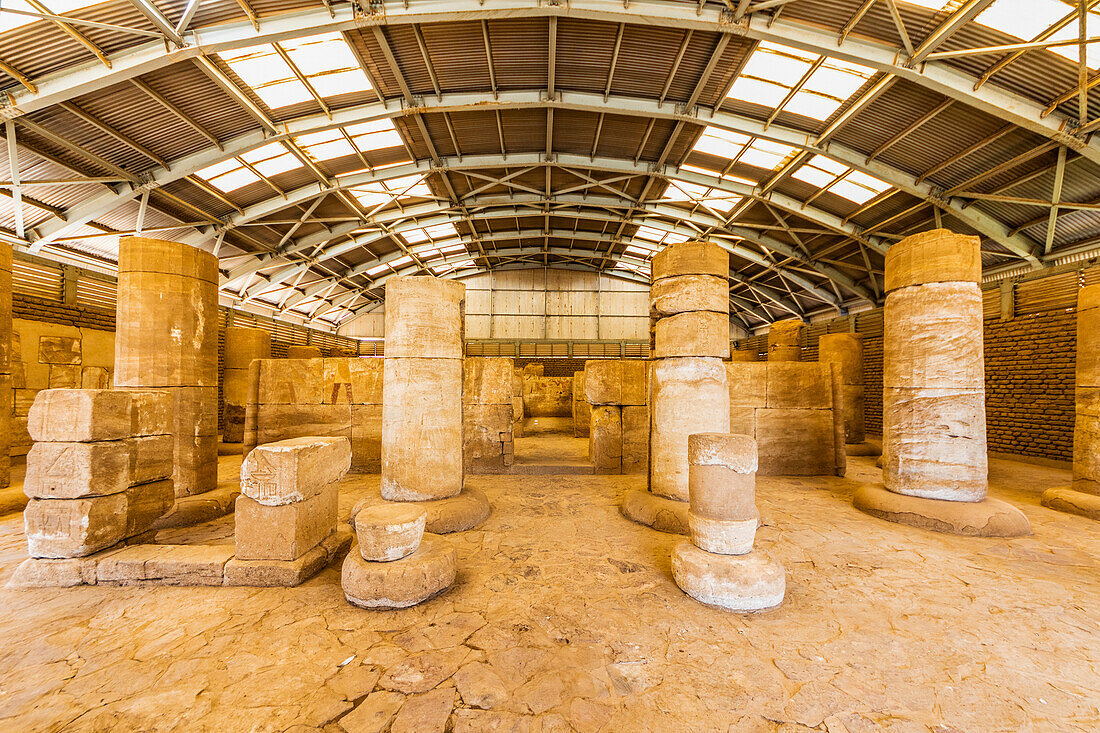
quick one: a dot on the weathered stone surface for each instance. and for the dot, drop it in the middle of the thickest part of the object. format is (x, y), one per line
(288, 573)
(694, 333)
(388, 532)
(194, 410)
(933, 337)
(58, 350)
(366, 381)
(689, 395)
(422, 429)
(151, 412)
(79, 416)
(635, 420)
(533, 369)
(287, 531)
(94, 378)
(5, 428)
(798, 385)
(986, 518)
(336, 384)
(743, 355)
(196, 464)
(690, 258)
(615, 381)
(934, 443)
(743, 583)
(1086, 449)
(65, 376)
(424, 317)
(243, 344)
(846, 351)
(145, 504)
(487, 380)
(853, 404)
(294, 470)
(453, 514)
(75, 470)
(183, 565)
(6, 335)
(1065, 499)
(582, 419)
(722, 478)
(402, 583)
(547, 396)
(748, 384)
(35, 572)
(796, 442)
(722, 536)
(235, 386)
(936, 256)
(151, 458)
(140, 254)
(283, 422)
(366, 438)
(684, 293)
(303, 352)
(486, 436)
(291, 382)
(606, 440)
(57, 528)
(426, 713)
(784, 340)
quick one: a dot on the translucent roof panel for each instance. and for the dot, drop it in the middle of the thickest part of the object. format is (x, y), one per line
(366, 137)
(834, 177)
(395, 189)
(433, 233)
(1026, 19)
(774, 72)
(651, 236)
(56, 7)
(325, 60)
(741, 148)
(268, 160)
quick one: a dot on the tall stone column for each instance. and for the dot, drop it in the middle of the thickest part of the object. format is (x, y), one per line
(935, 466)
(5, 365)
(688, 392)
(422, 430)
(166, 337)
(242, 346)
(783, 340)
(846, 351)
(1083, 496)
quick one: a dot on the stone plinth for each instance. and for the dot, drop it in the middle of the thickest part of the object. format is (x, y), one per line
(722, 486)
(427, 572)
(742, 583)
(242, 346)
(934, 437)
(784, 340)
(1083, 495)
(388, 532)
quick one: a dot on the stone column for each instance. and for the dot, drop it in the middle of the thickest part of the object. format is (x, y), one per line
(688, 392)
(166, 337)
(5, 365)
(1083, 496)
(718, 565)
(242, 346)
(845, 350)
(488, 443)
(422, 431)
(935, 467)
(783, 340)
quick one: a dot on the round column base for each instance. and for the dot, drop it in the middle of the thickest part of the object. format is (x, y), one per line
(453, 514)
(862, 449)
(400, 583)
(1065, 499)
(743, 583)
(663, 515)
(986, 518)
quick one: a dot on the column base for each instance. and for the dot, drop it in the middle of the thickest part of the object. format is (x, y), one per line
(987, 518)
(743, 583)
(663, 515)
(1065, 499)
(453, 514)
(400, 583)
(862, 449)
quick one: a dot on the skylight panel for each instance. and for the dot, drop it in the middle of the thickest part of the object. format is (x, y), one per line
(768, 63)
(231, 181)
(812, 105)
(766, 154)
(632, 249)
(321, 53)
(464, 264)
(855, 186)
(852, 191)
(653, 235)
(814, 176)
(435, 233)
(758, 91)
(377, 269)
(401, 261)
(412, 236)
(722, 143)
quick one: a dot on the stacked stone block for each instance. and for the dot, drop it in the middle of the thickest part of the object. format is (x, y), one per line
(303, 352)
(488, 445)
(288, 505)
(934, 439)
(331, 397)
(617, 391)
(718, 565)
(518, 410)
(396, 564)
(1083, 495)
(582, 410)
(5, 365)
(845, 350)
(792, 412)
(242, 346)
(99, 471)
(688, 392)
(784, 339)
(167, 339)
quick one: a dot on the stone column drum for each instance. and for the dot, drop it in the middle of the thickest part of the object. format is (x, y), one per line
(845, 350)
(5, 364)
(783, 340)
(1083, 496)
(935, 467)
(718, 566)
(422, 430)
(688, 392)
(166, 337)
(242, 346)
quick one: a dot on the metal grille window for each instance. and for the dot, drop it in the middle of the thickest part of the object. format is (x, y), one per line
(93, 292)
(36, 280)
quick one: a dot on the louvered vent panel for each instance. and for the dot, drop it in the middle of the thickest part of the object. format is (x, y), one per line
(36, 280)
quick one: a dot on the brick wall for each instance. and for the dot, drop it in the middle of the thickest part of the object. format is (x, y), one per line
(51, 311)
(554, 367)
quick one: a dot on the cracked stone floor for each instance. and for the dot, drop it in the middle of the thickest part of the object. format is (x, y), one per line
(565, 617)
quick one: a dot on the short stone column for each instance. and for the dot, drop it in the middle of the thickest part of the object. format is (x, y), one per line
(688, 392)
(718, 565)
(5, 364)
(935, 466)
(303, 352)
(845, 350)
(242, 346)
(1083, 496)
(488, 442)
(166, 338)
(783, 340)
(422, 429)
(582, 410)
